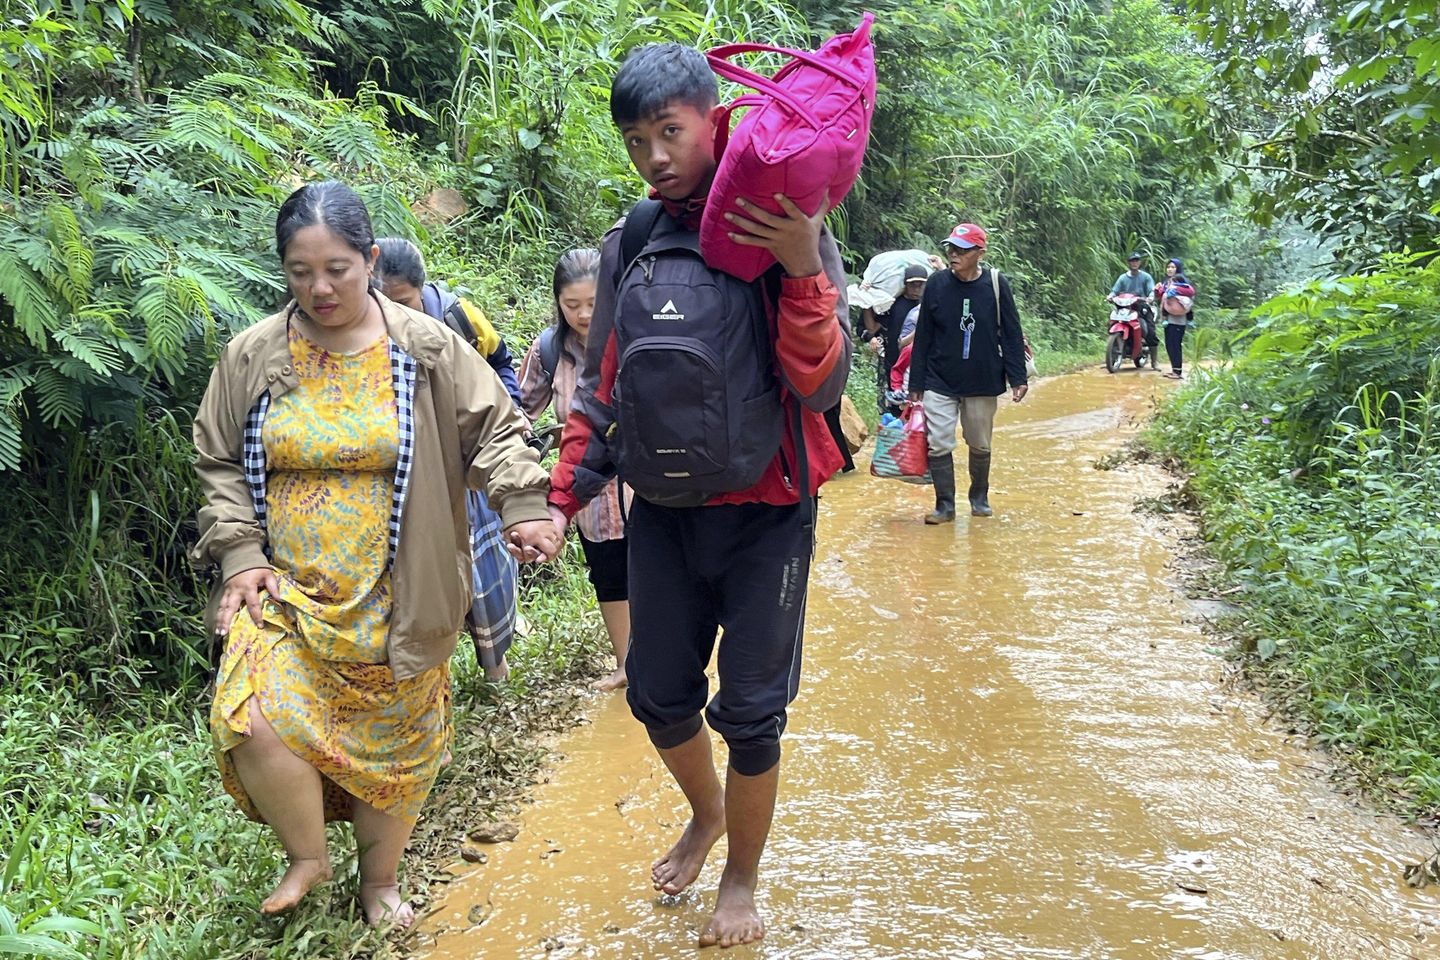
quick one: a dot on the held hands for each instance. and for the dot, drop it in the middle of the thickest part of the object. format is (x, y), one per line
(793, 238)
(533, 541)
(562, 522)
(244, 589)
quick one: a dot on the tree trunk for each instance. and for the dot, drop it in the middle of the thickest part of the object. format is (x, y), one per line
(137, 80)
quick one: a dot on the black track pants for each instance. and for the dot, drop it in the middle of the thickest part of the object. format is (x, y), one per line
(694, 570)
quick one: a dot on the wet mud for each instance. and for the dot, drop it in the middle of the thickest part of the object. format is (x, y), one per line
(1012, 741)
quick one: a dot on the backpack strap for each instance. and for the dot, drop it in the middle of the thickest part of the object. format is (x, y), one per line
(549, 352)
(639, 224)
(456, 319)
(995, 286)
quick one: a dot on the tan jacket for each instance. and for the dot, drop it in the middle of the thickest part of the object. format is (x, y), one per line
(467, 433)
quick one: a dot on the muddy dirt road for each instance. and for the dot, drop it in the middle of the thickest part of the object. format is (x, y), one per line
(1011, 742)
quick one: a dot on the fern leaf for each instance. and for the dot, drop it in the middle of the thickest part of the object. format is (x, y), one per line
(95, 353)
(76, 255)
(35, 311)
(9, 442)
(58, 398)
(13, 383)
(166, 323)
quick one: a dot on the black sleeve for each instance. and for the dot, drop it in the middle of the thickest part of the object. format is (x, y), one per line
(1012, 338)
(504, 366)
(920, 352)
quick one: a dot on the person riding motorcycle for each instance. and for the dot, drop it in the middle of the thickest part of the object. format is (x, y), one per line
(1141, 284)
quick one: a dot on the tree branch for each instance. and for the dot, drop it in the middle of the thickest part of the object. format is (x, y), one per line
(1266, 168)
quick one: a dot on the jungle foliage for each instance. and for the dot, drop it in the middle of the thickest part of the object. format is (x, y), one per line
(1313, 458)
(1330, 112)
(145, 145)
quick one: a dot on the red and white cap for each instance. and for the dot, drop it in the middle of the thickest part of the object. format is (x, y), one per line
(966, 236)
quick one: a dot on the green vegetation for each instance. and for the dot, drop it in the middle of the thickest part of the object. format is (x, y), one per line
(118, 839)
(1313, 459)
(1313, 453)
(144, 148)
(1331, 110)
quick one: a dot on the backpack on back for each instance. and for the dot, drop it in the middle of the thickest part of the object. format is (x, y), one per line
(696, 398)
(548, 351)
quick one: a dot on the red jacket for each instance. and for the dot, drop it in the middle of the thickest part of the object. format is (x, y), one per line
(901, 368)
(812, 352)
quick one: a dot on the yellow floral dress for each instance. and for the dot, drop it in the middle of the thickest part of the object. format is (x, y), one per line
(317, 668)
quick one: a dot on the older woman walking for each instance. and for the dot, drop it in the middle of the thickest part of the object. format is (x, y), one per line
(334, 446)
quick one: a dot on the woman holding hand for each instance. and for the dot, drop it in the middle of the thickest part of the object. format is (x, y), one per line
(334, 445)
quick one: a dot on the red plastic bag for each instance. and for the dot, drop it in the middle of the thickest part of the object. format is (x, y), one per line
(902, 451)
(912, 453)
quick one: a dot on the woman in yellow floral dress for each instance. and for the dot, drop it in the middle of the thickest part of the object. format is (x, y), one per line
(335, 445)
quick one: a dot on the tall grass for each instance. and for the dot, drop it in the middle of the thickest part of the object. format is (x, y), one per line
(119, 843)
(95, 585)
(1318, 498)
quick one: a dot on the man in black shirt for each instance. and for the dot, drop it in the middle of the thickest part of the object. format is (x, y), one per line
(884, 328)
(968, 346)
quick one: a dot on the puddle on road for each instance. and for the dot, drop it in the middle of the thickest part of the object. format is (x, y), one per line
(1010, 742)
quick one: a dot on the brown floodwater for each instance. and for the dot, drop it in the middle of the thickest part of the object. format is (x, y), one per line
(1013, 740)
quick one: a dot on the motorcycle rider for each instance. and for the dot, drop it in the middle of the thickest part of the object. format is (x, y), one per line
(1141, 284)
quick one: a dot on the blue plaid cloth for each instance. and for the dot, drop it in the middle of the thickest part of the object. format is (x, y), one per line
(252, 457)
(491, 620)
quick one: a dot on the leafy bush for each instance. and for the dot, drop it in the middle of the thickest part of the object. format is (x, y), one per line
(145, 239)
(1313, 459)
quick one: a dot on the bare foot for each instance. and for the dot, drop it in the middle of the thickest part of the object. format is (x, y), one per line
(615, 681)
(383, 905)
(678, 869)
(735, 921)
(300, 878)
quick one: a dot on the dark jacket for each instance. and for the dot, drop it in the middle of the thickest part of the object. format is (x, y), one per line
(891, 322)
(997, 345)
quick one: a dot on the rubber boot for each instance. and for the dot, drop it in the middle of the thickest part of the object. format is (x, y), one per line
(980, 484)
(942, 472)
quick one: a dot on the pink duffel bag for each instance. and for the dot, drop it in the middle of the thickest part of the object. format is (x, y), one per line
(804, 135)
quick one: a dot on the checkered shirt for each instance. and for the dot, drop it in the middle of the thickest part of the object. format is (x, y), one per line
(252, 458)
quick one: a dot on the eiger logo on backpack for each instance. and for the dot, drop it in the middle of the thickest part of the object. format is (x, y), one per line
(697, 404)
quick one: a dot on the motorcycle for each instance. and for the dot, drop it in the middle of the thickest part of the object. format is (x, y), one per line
(1127, 338)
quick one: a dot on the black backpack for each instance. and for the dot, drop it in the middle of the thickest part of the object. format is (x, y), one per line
(549, 352)
(697, 400)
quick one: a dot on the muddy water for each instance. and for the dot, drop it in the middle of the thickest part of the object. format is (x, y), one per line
(1011, 742)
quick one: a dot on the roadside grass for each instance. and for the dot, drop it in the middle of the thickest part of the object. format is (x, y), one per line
(1313, 461)
(119, 842)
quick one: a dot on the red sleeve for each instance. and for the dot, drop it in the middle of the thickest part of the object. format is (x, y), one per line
(902, 364)
(808, 340)
(811, 345)
(585, 464)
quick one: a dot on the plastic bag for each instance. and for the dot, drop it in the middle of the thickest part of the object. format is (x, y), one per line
(884, 279)
(902, 451)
